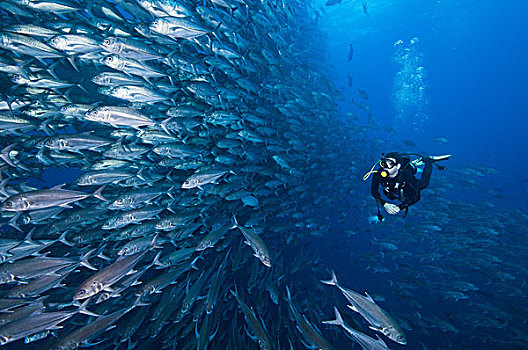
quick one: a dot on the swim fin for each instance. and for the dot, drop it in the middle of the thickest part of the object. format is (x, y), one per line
(438, 158)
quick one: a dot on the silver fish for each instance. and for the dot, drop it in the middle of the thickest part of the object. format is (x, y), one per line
(379, 320)
(366, 342)
(201, 178)
(314, 337)
(119, 116)
(41, 199)
(256, 243)
(84, 334)
(260, 333)
(109, 275)
(35, 324)
(177, 28)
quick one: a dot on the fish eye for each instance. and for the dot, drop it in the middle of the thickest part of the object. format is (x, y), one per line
(156, 22)
(106, 42)
(81, 292)
(109, 58)
(8, 204)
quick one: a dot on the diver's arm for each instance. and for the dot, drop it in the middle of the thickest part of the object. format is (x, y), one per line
(389, 207)
(374, 189)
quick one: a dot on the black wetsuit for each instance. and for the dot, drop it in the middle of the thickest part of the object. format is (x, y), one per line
(404, 187)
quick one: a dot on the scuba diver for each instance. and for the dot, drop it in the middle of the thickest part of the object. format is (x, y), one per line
(396, 175)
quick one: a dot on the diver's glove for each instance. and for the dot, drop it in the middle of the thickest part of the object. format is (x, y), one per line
(391, 208)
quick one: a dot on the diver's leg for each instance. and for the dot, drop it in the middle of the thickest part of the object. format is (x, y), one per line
(426, 174)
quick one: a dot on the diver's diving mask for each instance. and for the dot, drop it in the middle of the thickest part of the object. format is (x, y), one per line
(387, 163)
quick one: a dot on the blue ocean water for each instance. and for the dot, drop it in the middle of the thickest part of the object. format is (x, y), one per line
(473, 58)
(474, 53)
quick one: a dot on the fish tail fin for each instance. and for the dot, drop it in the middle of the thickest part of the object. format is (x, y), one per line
(164, 125)
(82, 84)
(4, 154)
(29, 236)
(3, 182)
(63, 240)
(156, 261)
(99, 194)
(193, 263)
(235, 293)
(225, 259)
(51, 69)
(140, 174)
(82, 309)
(338, 319)
(235, 225)
(233, 9)
(84, 260)
(332, 281)
(13, 223)
(215, 332)
(154, 241)
(196, 333)
(288, 294)
(138, 302)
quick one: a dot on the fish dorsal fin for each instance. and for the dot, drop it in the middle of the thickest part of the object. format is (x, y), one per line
(58, 187)
(369, 297)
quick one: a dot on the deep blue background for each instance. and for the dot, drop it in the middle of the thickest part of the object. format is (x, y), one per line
(475, 55)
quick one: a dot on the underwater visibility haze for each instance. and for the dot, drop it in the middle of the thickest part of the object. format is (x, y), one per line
(186, 174)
